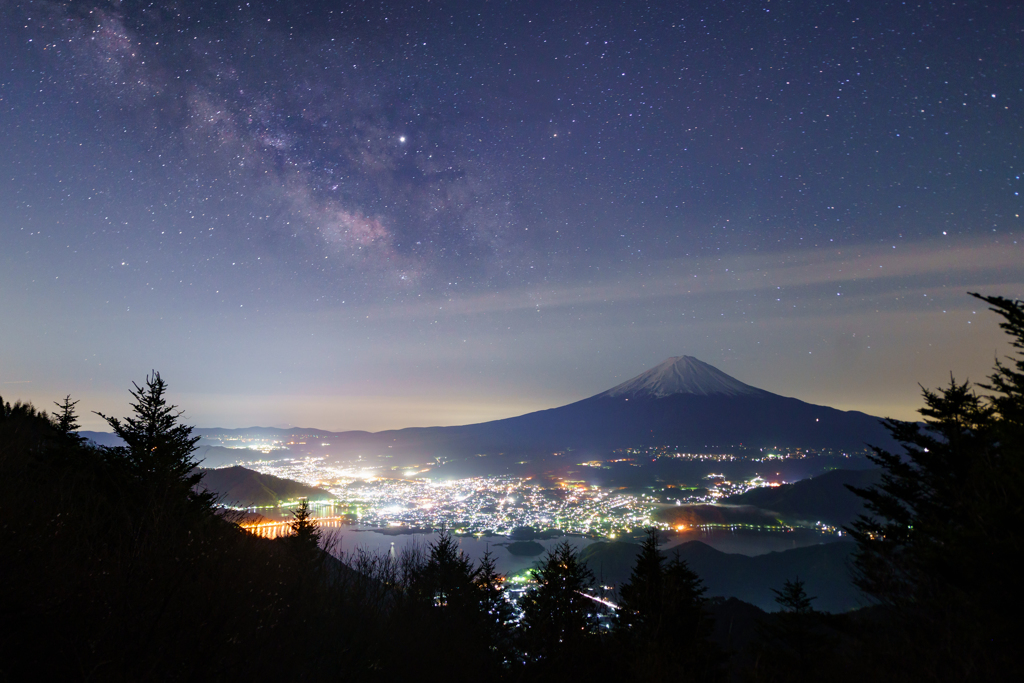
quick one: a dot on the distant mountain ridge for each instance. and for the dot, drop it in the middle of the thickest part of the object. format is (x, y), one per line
(681, 402)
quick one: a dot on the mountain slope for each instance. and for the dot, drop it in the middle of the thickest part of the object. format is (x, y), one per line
(824, 498)
(680, 402)
(824, 568)
(682, 375)
(245, 488)
(710, 409)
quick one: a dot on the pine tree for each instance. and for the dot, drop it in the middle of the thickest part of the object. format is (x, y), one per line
(66, 421)
(795, 643)
(447, 579)
(557, 617)
(442, 614)
(497, 610)
(684, 593)
(661, 622)
(941, 540)
(642, 597)
(24, 429)
(306, 533)
(158, 450)
(793, 598)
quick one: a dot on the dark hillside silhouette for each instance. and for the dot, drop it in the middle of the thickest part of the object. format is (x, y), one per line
(243, 487)
(825, 568)
(126, 573)
(825, 498)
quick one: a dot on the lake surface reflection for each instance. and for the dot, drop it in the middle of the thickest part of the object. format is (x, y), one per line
(348, 539)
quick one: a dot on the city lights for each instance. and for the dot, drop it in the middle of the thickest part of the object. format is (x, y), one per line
(489, 504)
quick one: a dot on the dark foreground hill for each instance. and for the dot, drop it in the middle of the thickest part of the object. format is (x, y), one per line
(824, 568)
(824, 498)
(240, 487)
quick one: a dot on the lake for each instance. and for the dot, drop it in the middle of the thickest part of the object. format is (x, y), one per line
(348, 539)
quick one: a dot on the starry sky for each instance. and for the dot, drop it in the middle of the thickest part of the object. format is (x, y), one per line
(366, 215)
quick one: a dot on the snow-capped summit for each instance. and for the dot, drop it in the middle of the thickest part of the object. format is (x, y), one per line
(682, 375)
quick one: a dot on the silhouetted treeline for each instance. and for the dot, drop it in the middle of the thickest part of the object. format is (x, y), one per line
(116, 566)
(938, 551)
(941, 545)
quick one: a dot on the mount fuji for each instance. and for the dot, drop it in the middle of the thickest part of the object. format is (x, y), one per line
(681, 402)
(682, 375)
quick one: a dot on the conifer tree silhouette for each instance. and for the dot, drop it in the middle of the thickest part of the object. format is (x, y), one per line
(793, 598)
(661, 623)
(558, 618)
(940, 543)
(158, 449)
(496, 611)
(306, 533)
(642, 596)
(66, 421)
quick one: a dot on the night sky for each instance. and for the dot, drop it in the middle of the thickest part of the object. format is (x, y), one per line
(367, 215)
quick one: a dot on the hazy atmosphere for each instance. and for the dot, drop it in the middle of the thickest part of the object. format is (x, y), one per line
(524, 342)
(355, 216)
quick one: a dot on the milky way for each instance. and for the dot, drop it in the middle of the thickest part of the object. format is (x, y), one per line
(220, 188)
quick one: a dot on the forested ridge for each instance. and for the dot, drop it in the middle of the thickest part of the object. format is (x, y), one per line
(118, 566)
